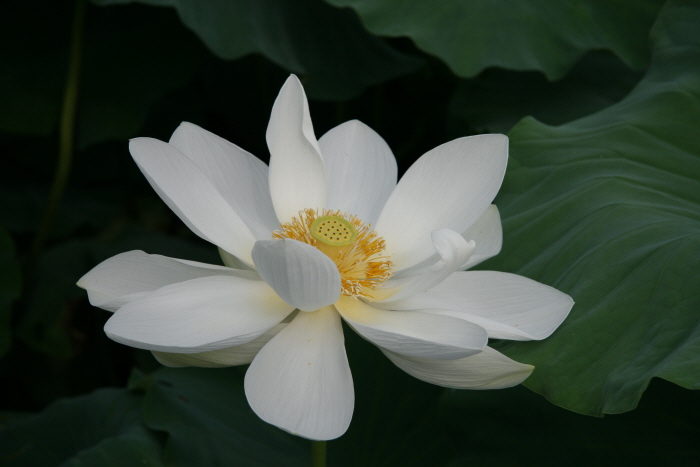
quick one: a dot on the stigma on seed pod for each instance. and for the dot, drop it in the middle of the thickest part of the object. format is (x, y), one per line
(333, 233)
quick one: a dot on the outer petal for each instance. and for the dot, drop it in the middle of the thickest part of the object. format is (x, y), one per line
(486, 370)
(192, 196)
(506, 305)
(300, 381)
(124, 277)
(240, 177)
(299, 273)
(487, 233)
(413, 333)
(297, 174)
(448, 187)
(453, 251)
(360, 170)
(230, 356)
(198, 315)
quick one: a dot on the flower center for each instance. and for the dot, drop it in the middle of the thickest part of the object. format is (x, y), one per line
(333, 231)
(356, 249)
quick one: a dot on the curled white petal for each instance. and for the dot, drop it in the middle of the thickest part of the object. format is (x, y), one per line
(487, 233)
(448, 187)
(452, 253)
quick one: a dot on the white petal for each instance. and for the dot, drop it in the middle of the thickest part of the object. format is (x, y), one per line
(360, 170)
(230, 356)
(303, 276)
(297, 175)
(117, 280)
(198, 315)
(240, 177)
(448, 187)
(487, 233)
(192, 196)
(487, 370)
(413, 333)
(453, 251)
(300, 381)
(508, 306)
(233, 262)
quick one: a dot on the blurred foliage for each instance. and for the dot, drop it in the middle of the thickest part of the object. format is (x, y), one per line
(609, 208)
(472, 35)
(328, 46)
(10, 287)
(101, 428)
(603, 206)
(496, 100)
(209, 422)
(194, 417)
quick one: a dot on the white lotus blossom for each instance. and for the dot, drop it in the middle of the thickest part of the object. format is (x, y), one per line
(325, 233)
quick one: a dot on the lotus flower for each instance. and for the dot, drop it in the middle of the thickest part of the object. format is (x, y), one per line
(326, 234)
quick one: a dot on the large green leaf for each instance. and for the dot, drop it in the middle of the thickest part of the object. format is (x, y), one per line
(471, 35)
(607, 209)
(498, 99)
(329, 47)
(209, 422)
(103, 428)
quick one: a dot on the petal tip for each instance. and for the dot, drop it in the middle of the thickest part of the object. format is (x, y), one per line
(184, 126)
(292, 80)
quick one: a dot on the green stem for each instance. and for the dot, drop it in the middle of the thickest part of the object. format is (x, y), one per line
(318, 454)
(66, 133)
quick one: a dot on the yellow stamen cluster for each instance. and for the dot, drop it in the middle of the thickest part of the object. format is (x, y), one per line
(357, 250)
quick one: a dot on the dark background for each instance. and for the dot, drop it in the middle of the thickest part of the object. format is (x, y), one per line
(143, 72)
